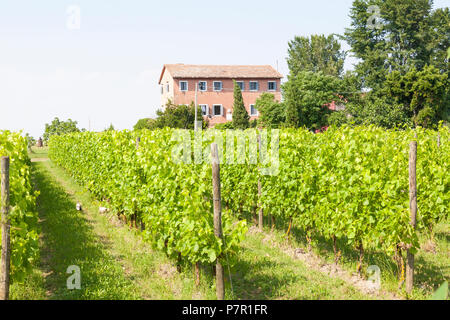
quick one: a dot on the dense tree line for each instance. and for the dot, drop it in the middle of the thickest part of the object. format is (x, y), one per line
(401, 79)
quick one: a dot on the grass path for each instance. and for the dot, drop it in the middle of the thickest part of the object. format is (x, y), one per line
(69, 238)
(116, 264)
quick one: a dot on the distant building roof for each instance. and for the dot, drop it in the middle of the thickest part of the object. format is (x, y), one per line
(217, 71)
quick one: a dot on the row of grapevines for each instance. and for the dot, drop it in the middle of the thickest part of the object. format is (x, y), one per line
(350, 183)
(172, 199)
(23, 214)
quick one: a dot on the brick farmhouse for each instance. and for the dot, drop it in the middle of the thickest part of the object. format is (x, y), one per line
(215, 87)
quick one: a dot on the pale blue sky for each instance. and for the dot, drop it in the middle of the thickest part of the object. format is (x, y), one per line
(107, 72)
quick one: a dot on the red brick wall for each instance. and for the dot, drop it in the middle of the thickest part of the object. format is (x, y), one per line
(224, 97)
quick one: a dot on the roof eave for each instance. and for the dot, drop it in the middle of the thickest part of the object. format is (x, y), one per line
(162, 74)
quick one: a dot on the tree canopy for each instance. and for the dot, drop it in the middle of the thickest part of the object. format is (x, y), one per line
(316, 53)
(307, 95)
(408, 34)
(173, 116)
(58, 127)
(146, 123)
(272, 113)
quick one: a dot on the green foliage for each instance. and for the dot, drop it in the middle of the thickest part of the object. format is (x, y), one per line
(424, 94)
(411, 35)
(224, 126)
(306, 96)
(350, 183)
(178, 116)
(318, 53)
(172, 199)
(272, 114)
(353, 183)
(30, 141)
(241, 117)
(146, 123)
(23, 214)
(372, 110)
(58, 127)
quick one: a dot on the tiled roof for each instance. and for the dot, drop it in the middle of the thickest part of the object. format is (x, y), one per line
(216, 71)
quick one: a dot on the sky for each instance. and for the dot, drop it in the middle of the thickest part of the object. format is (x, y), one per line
(103, 68)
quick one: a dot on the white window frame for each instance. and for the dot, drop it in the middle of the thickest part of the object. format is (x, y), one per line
(168, 87)
(187, 85)
(250, 86)
(221, 110)
(214, 86)
(254, 107)
(243, 85)
(206, 86)
(268, 86)
(207, 109)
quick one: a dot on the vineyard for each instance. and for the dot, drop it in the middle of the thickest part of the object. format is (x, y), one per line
(348, 185)
(23, 215)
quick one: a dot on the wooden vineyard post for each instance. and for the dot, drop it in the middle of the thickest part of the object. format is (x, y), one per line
(413, 212)
(138, 140)
(6, 249)
(260, 216)
(220, 287)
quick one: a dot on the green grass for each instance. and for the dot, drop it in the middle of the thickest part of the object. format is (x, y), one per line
(38, 152)
(32, 288)
(68, 238)
(431, 269)
(265, 272)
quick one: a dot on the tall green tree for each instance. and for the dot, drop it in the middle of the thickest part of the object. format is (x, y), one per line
(307, 96)
(316, 53)
(272, 114)
(423, 94)
(58, 127)
(398, 36)
(241, 118)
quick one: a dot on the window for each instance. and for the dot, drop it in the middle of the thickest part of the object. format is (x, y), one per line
(162, 89)
(205, 109)
(254, 85)
(241, 85)
(183, 86)
(167, 87)
(217, 85)
(272, 86)
(202, 86)
(217, 110)
(253, 110)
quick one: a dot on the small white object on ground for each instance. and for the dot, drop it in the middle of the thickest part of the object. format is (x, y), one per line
(102, 210)
(78, 206)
